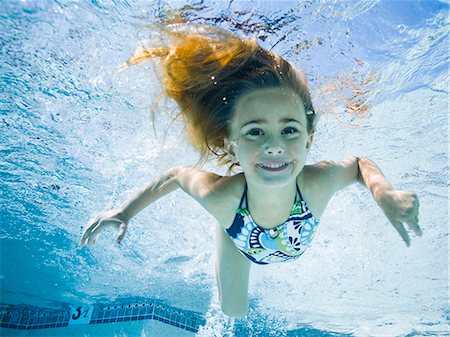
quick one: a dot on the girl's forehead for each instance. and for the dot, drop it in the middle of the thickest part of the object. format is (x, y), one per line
(269, 104)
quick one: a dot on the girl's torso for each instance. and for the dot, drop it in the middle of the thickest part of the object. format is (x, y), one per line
(285, 242)
(285, 238)
(227, 195)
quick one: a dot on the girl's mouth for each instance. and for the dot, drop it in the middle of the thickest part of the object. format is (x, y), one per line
(274, 166)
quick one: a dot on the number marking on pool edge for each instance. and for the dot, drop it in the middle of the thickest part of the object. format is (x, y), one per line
(80, 315)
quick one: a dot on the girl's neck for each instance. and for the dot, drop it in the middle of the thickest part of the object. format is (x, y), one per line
(271, 197)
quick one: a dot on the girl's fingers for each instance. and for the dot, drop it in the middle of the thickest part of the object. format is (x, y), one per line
(121, 234)
(402, 231)
(93, 231)
(414, 225)
(96, 231)
(90, 228)
(87, 233)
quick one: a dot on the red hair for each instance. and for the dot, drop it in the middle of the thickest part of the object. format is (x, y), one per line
(207, 69)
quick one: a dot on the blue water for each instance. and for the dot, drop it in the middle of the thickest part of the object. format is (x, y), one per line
(76, 139)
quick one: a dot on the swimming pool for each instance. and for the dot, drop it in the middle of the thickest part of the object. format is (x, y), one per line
(77, 139)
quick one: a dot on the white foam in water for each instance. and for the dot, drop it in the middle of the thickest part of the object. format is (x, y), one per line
(79, 139)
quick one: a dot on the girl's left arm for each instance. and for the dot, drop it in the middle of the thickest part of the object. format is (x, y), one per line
(399, 206)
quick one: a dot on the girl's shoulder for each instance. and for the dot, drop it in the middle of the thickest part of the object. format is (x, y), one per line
(219, 195)
(224, 198)
(312, 175)
(314, 183)
(320, 181)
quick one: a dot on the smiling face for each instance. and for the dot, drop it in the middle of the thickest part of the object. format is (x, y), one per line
(269, 137)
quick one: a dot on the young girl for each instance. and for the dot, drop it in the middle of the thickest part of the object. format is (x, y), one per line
(251, 109)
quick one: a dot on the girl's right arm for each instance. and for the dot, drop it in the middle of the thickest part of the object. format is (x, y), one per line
(193, 181)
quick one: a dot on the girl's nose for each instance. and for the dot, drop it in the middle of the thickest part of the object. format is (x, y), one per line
(273, 148)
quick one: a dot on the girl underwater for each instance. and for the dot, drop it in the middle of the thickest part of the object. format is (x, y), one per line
(250, 108)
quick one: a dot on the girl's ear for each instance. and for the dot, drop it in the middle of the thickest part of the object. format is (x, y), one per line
(309, 141)
(230, 149)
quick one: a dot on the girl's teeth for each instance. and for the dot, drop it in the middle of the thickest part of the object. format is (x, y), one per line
(273, 165)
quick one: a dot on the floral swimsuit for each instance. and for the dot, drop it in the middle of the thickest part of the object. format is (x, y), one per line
(285, 242)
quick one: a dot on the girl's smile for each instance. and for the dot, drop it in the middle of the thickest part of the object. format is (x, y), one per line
(274, 166)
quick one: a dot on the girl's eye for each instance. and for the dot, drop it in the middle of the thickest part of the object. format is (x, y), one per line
(290, 131)
(255, 132)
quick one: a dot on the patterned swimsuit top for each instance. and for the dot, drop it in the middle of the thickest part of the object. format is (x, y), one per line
(285, 242)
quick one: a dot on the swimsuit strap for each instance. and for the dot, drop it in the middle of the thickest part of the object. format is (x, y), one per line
(244, 195)
(299, 194)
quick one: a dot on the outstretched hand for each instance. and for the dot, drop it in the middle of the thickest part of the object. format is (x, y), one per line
(113, 218)
(401, 207)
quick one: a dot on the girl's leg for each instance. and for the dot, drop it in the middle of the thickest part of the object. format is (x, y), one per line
(232, 273)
